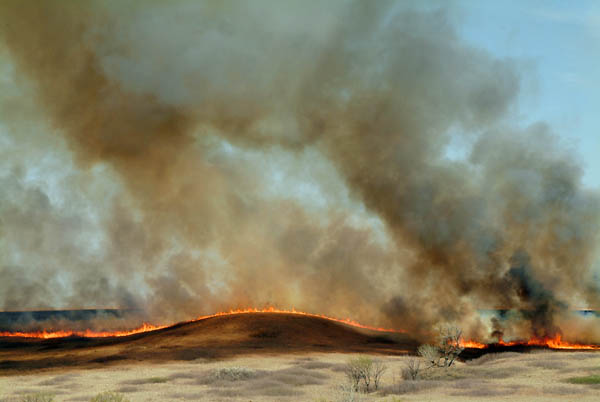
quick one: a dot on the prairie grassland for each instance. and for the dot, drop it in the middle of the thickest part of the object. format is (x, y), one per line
(535, 376)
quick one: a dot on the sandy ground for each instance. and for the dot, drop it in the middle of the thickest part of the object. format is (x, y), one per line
(534, 376)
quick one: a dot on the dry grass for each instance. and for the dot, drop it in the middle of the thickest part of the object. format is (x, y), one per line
(406, 387)
(563, 390)
(128, 389)
(39, 397)
(59, 379)
(316, 365)
(150, 380)
(549, 364)
(498, 377)
(109, 397)
(492, 358)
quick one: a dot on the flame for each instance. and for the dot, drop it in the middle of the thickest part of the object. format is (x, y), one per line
(145, 327)
(555, 342)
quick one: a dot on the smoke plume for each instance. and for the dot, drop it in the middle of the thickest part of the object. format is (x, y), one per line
(184, 158)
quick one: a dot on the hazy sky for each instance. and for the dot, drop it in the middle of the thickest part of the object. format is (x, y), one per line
(191, 157)
(557, 44)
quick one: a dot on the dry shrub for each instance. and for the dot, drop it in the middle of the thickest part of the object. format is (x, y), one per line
(234, 373)
(411, 371)
(430, 354)
(347, 393)
(366, 370)
(446, 350)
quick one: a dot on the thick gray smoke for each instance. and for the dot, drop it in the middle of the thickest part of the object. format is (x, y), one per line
(189, 157)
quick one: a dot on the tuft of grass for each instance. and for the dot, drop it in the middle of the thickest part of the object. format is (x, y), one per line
(590, 379)
(156, 380)
(234, 373)
(39, 397)
(151, 380)
(109, 397)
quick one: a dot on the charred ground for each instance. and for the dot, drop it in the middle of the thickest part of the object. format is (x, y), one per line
(212, 338)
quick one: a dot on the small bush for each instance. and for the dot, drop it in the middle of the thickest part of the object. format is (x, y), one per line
(431, 354)
(366, 370)
(348, 394)
(109, 397)
(590, 379)
(446, 350)
(378, 369)
(234, 373)
(411, 371)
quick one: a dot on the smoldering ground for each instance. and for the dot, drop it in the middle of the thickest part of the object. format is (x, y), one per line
(206, 156)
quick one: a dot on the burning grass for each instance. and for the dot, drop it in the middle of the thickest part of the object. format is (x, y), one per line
(146, 327)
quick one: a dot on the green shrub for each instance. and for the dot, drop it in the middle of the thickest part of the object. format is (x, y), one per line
(590, 379)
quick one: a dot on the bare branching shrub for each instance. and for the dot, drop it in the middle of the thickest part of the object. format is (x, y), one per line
(354, 372)
(364, 370)
(348, 394)
(411, 371)
(378, 369)
(446, 350)
(450, 339)
(430, 354)
(109, 397)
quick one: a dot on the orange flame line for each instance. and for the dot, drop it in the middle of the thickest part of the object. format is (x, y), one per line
(145, 327)
(555, 342)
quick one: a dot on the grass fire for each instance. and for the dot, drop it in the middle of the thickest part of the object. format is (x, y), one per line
(291, 200)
